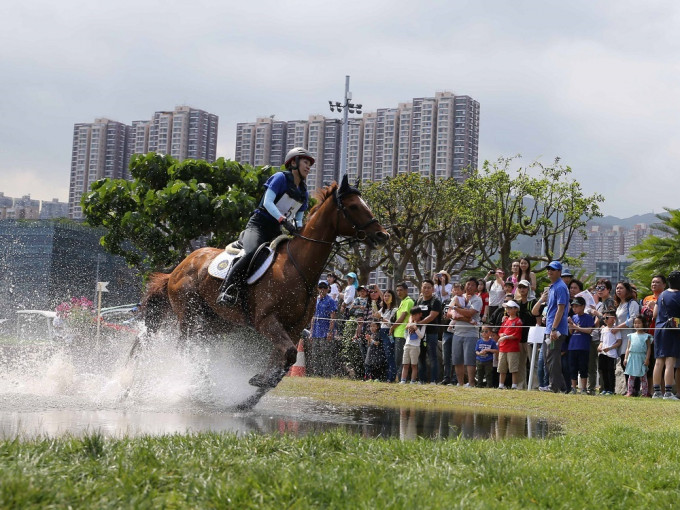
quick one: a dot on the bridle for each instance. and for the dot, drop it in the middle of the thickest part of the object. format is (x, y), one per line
(360, 234)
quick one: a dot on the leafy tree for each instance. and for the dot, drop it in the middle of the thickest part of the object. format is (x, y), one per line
(427, 221)
(551, 206)
(152, 220)
(657, 254)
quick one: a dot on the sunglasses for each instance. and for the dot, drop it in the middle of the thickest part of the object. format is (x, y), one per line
(600, 287)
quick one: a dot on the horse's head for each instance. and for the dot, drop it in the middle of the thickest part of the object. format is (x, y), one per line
(356, 219)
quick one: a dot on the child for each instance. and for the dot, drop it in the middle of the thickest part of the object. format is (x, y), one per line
(457, 300)
(375, 357)
(581, 326)
(609, 343)
(414, 334)
(509, 338)
(485, 350)
(637, 356)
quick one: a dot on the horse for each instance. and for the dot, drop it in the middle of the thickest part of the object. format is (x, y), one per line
(281, 303)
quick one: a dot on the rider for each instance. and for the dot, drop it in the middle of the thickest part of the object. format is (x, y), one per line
(283, 204)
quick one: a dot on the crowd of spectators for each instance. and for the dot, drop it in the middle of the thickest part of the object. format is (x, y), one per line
(476, 333)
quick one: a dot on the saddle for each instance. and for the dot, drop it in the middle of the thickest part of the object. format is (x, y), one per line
(262, 259)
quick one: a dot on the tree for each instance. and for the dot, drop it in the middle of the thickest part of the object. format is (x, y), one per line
(657, 254)
(551, 206)
(152, 220)
(425, 219)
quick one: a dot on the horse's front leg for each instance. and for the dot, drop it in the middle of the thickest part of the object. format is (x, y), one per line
(283, 355)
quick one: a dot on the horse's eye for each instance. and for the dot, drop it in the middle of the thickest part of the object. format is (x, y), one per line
(353, 207)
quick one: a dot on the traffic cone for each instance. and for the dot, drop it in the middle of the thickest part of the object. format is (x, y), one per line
(299, 369)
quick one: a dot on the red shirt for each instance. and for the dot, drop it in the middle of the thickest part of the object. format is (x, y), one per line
(515, 333)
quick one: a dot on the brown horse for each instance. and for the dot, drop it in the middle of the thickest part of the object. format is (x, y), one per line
(279, 305)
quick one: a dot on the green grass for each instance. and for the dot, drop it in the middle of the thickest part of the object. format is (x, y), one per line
(615, 452)
(617, 468)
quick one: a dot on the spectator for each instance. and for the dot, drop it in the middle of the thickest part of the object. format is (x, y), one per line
(658, 285)
(610, 341)
(514, 275)
(359, 310)
(525, 307)
(415, 332)
(334, 288)
(667, 337)
(320, 352)
(604, 301)
(556, 325)
(375, 356)
(637, 356)
(499, 315)
(442, 285)
(387, 315)
(581, 326)
(627, 308)
(465, 323)
(432, 309)
(525, 273)
(495, 289)
(349, 295)
(485, 349)
(509, 337)
(538, 311)
(567, 277)
(484, 296)
(398, 328)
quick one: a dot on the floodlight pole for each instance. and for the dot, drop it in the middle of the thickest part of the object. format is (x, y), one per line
(345, 132)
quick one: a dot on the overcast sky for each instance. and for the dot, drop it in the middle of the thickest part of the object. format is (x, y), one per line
(593, 82)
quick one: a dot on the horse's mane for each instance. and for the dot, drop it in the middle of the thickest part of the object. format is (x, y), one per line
(321, 195)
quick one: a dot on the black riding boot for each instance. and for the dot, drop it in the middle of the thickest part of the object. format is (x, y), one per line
(234, 282)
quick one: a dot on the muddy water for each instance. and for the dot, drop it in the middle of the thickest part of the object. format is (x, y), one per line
(55, 389)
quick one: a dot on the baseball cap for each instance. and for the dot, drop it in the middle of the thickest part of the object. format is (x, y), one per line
(323, 283)
(524, 283)
(555, 265)
(578, 300)
(566, 272)
(511, 304)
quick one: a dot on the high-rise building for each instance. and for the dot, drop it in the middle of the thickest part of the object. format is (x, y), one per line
(185, 133)
(437, 137)
(103, 148)
(100, 150)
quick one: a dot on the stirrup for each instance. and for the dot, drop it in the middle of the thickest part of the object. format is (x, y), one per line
(228, 296)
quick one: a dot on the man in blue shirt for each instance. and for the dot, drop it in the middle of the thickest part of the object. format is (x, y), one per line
(556, 325)
(321, 352)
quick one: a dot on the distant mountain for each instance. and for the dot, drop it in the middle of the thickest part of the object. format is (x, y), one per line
(610, 221)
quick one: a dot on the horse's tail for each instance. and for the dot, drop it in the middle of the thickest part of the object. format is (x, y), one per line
(156, 304)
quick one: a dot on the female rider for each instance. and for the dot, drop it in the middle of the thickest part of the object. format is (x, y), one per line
(283, 204)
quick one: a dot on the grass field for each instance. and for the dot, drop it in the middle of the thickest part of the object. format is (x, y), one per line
(616, 452)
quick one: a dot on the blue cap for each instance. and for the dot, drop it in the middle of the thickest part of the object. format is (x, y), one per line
(566, 272)
(555, 265)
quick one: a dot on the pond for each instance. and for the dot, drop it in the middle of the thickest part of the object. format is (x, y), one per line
(51, 389)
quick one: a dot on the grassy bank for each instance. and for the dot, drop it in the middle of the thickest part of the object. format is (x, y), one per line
(616, 453)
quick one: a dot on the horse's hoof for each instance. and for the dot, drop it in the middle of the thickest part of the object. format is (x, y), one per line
(267, 380)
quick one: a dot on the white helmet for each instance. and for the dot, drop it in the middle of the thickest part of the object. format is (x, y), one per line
(298, 152)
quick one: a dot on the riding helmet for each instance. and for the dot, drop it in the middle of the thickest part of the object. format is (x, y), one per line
(298, 152)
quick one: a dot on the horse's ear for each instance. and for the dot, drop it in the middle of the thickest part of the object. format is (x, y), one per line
(344, 185)
(356, 184)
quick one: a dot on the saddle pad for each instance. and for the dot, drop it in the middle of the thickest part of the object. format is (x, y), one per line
(219, 267)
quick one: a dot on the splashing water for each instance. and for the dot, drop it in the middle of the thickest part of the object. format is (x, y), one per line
(199, 377)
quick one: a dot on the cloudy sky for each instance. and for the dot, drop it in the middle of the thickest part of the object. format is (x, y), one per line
(593, 82)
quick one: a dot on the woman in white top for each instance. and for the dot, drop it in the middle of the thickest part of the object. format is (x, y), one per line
(626, 310)
(350, 291)
(525, 273)
(442, 287)
(334, 288)
(495, 289)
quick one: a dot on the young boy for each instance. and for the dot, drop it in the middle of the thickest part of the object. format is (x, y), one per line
(581, 326)
(509, 338)
(485, 350)
(608, 349)
(414, 334)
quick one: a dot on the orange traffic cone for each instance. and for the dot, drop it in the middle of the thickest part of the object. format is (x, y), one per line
(299, 369)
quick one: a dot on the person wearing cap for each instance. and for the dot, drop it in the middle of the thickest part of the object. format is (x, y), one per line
(556, 325)
(320, 355)
(567, 276)
(581, 325)
(349, 294)
(526, 304)
(605, 301)
(282, 205)
(509, 338)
